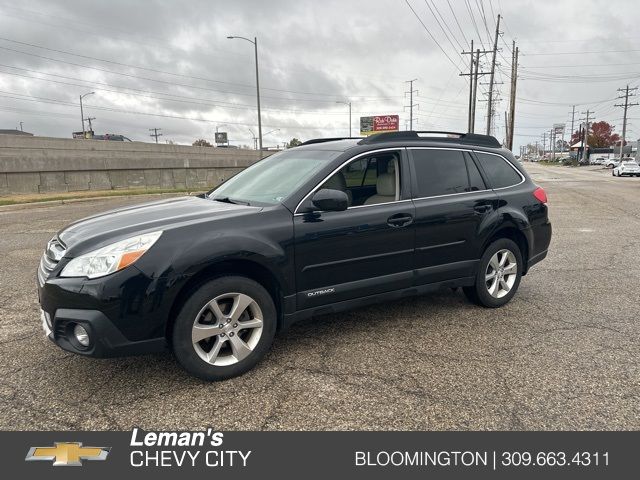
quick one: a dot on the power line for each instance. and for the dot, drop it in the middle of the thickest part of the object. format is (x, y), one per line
(152, 94)
(455, 17)
(431, 35)
(192, 77)
(484, 19)
(31, 98)
(580, 52)
(441, 27)
(473, 20)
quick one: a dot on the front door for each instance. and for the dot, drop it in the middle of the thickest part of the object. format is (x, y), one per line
(366, 249)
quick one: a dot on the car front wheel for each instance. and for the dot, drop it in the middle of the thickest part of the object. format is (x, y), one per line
(498, 275)
(224, 328)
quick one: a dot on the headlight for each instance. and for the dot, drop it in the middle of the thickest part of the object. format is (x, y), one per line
(111, 258)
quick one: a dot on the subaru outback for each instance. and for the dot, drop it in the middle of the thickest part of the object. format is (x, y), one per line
(331, 225)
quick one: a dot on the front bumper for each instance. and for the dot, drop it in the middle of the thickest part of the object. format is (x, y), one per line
(124, 313)
(105, 340)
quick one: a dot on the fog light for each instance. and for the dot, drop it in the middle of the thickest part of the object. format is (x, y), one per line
(81, 334)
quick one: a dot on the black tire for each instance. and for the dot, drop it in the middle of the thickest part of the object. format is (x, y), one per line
(479, 293)
(183, 346)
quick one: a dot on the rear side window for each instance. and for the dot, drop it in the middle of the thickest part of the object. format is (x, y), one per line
(501, 174)
(440, 172)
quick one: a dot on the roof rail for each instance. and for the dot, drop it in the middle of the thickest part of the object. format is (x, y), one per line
(455, 137)
(322, 140)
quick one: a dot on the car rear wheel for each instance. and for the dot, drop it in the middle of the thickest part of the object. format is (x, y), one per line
(224, 328)
(498, 276)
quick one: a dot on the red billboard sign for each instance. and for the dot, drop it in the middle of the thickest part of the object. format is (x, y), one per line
(379, 124)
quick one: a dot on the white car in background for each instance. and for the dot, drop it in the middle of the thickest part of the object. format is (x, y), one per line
(612, 162)
(626, 167)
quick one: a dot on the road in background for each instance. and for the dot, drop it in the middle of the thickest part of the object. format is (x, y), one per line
(564, 354)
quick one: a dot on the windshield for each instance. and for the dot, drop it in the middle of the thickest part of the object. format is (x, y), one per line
(273, 179)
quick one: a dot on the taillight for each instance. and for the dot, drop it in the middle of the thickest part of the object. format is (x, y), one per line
(540, 195)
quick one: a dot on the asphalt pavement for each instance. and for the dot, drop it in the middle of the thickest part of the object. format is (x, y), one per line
(564, 354)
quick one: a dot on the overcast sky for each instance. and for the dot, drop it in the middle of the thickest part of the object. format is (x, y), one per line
(169, 65)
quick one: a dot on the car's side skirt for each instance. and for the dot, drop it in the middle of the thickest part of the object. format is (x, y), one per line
(345, 305)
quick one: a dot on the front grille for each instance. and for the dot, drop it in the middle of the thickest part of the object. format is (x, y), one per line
(53, 253)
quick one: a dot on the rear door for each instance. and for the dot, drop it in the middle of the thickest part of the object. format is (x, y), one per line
(366, 249)
(453, 204)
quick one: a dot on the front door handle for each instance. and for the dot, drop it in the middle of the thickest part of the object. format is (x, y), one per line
(482, 208)
(399, 220)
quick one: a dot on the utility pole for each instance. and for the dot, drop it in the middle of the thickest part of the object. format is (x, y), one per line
(492, 76)
(88, 119)
(626, 106)
(512, 99)
(411, 104)
(155, 133)
(544, 143)
(469, 121)
(585, 138)
(573, 115)
(473, 84)
(537, 149)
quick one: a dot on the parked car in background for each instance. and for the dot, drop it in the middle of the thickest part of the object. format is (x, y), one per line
(598, 161)
(627, 167)
(612, 162)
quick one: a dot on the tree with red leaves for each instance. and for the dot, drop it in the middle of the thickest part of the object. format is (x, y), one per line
(600, 135)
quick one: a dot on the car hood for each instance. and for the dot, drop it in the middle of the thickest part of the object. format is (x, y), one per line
(147, 217)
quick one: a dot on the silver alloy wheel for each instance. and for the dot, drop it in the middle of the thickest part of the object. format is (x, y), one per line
(501, 273)
(227, 329)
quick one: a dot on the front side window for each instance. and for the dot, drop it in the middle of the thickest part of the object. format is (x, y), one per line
(501, 174)
(440, 172)
(273, 179)
(369, 180)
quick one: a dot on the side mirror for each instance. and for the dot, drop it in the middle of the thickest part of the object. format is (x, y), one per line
(330, 200)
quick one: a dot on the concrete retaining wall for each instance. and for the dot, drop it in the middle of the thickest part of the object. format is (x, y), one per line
(45, 165)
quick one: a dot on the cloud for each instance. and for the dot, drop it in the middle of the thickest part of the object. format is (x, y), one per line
(190, 77)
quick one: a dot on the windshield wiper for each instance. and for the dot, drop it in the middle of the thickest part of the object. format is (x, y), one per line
(230, 200)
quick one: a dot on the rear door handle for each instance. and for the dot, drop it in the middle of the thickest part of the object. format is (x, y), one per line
(399, 220)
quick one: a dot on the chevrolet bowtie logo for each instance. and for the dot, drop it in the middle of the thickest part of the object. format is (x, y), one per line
(67, 453)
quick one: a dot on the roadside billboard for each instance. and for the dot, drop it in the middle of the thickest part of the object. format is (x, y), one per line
(379, 124)
(221, 137)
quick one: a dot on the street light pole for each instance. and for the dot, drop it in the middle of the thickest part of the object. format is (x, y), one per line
(349, 104)
(255, 46)
(82, 113)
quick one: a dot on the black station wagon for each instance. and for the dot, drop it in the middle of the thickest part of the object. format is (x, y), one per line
(330, 225)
